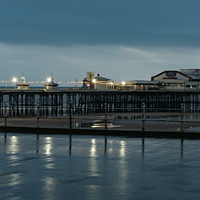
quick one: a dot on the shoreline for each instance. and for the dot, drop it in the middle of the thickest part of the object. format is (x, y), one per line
(155, 125)
(101, 132)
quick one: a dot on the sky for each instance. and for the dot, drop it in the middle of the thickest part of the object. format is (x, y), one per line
(118, 39)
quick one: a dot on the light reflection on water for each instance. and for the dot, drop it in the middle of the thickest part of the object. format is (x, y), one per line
(48, 146)
(13, 147)
(41, 167)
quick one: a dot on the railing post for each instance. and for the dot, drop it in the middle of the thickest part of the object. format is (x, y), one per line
(182, 113)
(70, 115)
(5, 115)
(106, 117)
(38, 116)
(143, 116)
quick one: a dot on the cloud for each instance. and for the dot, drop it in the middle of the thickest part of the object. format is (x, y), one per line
(71, 62)
(94, 22)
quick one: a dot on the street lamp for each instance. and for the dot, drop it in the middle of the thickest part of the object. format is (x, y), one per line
(94, 81)
(112, 85)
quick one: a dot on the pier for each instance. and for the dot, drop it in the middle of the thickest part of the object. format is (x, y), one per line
(19, 103)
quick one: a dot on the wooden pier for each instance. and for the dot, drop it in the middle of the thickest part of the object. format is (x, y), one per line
(18, 103)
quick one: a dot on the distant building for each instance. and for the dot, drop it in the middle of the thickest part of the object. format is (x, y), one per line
(185, 79)
(22, 85)
(87, 82)
(102, 83)
(51, 85)
(169, 80)
(98, 82)
(139, 85)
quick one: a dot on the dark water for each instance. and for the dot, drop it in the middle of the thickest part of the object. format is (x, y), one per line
(49, 167)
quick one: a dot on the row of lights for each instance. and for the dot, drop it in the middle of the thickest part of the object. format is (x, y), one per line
(123, 82)
(15, 80)
(49, 79)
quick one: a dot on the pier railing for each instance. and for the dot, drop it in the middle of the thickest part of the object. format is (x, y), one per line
(141, 119)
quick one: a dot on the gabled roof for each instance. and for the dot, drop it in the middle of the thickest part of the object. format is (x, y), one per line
(100, 78)
(178, 72)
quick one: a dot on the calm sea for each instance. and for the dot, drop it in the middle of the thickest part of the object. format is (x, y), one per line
(92, 168)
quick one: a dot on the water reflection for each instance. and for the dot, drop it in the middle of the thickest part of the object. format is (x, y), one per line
(105, 144)
(90, 174)
(37, 143)
(93, 148)
(15, 179)
(122, 148)
(93, 158)
(49, 189)
(48, 151)
(5, 138)
(123, 169)
(13, 147)
(48, 145)
(70, 144)
(143, 143)
(14, 160)
(182, 148)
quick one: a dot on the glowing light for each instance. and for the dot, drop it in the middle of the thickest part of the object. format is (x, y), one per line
(49, 79)
(14, 80)
(94, 80)
(123, 83)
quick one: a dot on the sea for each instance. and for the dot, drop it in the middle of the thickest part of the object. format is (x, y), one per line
(62, 167)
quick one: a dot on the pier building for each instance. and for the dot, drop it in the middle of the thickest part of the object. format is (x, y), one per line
(98, 82)
(183, 80)
(170, 80)
(138, 85)
(23, 85)
(51, 85)
(88, 81)
(102, 83)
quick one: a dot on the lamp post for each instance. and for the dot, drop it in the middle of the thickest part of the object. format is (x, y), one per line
(94, 81)
(123, 84)
(111, 85)
(6, 81)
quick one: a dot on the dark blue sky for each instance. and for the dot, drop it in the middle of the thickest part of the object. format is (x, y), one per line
(120, 39)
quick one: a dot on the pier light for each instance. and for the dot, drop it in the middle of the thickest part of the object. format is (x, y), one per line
(123, 83)
(14, 80)
(111, 85)
(94, 81)
(49, 79)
